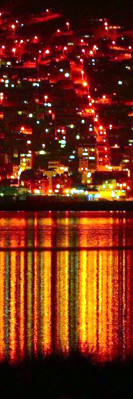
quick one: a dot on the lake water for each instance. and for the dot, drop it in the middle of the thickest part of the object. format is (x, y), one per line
(66, 283)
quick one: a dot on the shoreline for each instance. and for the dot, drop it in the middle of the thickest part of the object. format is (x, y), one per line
(61, 204)
(73, 376)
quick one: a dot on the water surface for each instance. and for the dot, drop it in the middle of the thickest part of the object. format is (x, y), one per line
(66, 283)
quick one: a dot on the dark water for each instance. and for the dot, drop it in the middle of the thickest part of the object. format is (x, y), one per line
(66, 283)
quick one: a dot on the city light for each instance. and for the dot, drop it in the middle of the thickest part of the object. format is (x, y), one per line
(67, 111)
(66, 199)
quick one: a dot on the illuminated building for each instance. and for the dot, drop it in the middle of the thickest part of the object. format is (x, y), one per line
(71, 96)
(87, 161)
(25, 162)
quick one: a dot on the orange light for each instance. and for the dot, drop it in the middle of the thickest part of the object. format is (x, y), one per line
(26, 130)
(85, 83)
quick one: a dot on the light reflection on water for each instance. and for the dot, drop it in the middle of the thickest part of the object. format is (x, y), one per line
(66, 283)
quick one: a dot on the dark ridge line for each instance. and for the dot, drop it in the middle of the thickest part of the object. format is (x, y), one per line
(54, 204)
(56, 249)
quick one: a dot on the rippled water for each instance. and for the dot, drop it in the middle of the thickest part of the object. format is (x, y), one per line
(66, 283)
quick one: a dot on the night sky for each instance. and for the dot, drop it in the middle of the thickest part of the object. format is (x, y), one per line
(119, 10)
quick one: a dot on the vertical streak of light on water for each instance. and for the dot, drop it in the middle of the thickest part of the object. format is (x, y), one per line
(73, 300)
(131, 306)
(105, 305)
(128, 303)
(35, 290)
(73, 289)
(120, 293)
(115, 302)
(62, 297)
(109, 321)
(99, 302)
(82, 333)
(29, 303)
(41, 302)
(76, 300)
(7, 315)
(57, 304)
(46, 276)
(35, 303)
(22, 308)
(105, 316)
(124, 294)
(21, 299)
(102, 304)
(109, 304)
(2, 305)
(13, 280)
(64, 285)
(46, 296)
(91, 301)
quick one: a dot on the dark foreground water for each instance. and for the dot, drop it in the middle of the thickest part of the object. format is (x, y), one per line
(66, 283)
